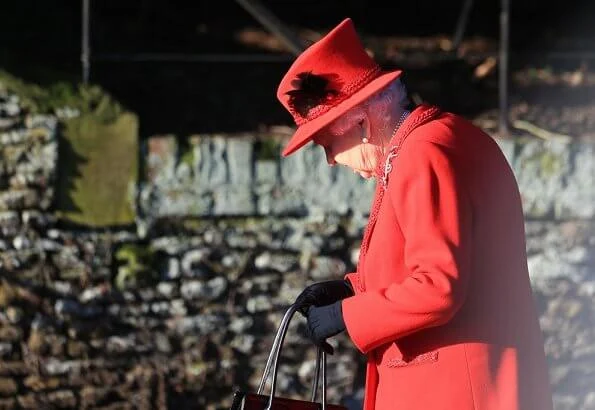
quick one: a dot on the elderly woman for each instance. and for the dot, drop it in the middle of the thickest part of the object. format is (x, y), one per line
(441, 302)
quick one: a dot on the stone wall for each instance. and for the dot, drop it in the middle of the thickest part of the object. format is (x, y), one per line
(181, 310)
(217, 175)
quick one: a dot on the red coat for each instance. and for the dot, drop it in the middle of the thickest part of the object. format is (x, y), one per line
(443, 306)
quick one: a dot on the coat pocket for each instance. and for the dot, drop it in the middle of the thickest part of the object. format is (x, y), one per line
(423, 358)
(390, 355)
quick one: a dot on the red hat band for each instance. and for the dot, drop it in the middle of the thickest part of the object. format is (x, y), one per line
(332, 98)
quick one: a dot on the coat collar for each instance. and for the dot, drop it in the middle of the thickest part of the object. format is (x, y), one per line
(420, 115)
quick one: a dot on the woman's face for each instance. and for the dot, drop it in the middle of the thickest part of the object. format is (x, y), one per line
(344, 146)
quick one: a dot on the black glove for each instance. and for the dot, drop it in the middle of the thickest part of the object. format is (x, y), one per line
(324, 322)
(323, 293)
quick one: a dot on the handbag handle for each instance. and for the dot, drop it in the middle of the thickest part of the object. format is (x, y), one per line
(273, 361)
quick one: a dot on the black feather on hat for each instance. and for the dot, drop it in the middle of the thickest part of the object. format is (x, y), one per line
(311, 90)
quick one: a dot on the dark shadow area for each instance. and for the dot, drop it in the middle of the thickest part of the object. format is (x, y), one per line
(186, 98)
(69, 170)
(85, 228)
(191, 97)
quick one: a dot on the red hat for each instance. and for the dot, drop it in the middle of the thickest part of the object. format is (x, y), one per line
(330, 77)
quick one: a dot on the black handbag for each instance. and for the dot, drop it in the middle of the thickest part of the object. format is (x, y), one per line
(259, 401)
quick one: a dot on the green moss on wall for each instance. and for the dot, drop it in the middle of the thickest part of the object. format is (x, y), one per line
(98, 151)
(98, 170)
(136, 266)
(551, 164)
(31, 95)
(267, 149)
(187, 157)
(87, 99)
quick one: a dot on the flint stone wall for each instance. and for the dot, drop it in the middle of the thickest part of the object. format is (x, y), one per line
(182, 310)
(224, 176)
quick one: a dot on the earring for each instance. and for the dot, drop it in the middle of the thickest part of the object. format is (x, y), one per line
(364, 139)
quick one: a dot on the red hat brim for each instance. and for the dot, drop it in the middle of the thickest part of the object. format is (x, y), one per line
(306, 132)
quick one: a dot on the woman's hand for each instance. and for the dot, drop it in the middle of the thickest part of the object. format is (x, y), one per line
(324, 322)
(322, 294)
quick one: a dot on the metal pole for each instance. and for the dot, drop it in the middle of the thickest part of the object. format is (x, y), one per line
(461, 24)
(85, 48)
(503, 74)
(272, 23)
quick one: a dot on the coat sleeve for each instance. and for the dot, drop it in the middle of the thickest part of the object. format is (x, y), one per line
(433, 211)
(353, 278)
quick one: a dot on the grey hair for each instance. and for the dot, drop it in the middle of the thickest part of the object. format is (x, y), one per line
(387, 103)
(395, 91)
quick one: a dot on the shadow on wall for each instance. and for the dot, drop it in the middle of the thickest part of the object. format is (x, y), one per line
(69, 171)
